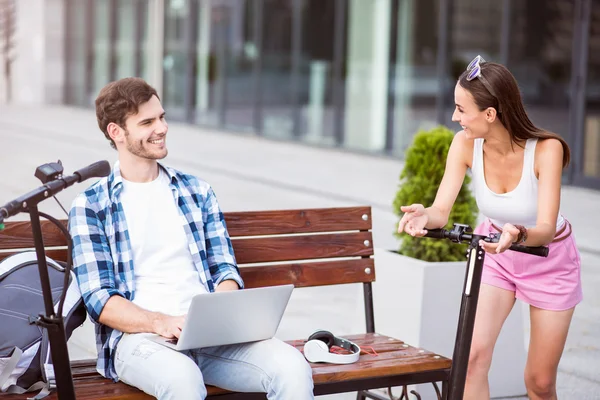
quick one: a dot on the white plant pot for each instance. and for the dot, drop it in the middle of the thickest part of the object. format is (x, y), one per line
(419, 302)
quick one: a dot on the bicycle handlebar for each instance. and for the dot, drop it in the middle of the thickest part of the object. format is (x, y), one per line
(460, 235)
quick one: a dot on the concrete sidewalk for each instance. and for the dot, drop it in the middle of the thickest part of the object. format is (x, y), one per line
(251, 173)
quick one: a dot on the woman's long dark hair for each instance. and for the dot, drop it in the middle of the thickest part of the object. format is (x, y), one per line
(513, 115)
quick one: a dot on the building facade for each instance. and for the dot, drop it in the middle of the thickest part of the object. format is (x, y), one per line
(364, 75)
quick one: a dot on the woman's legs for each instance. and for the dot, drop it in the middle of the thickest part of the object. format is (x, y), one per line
(493, 307)
(549, 331)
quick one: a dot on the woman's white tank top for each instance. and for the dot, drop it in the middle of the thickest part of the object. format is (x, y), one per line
(518, 206)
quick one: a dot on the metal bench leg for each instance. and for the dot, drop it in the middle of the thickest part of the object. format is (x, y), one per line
(365, 394)
(445, 390)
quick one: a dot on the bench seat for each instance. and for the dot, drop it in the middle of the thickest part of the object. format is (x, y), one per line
(383, 359)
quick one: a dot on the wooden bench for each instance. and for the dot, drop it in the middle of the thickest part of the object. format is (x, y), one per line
(312, 247)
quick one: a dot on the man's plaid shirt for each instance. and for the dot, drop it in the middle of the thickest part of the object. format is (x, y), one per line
(102, 255)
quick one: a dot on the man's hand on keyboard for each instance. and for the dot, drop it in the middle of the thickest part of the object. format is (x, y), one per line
(168, 326)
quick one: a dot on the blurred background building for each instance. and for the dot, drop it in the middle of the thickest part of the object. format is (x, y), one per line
(362, 75)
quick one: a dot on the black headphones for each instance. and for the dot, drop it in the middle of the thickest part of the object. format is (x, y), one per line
(316, 349)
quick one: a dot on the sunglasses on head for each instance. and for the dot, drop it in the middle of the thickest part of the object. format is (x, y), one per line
(474, 71)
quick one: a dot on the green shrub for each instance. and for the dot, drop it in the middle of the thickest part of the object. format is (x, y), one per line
(419, 181)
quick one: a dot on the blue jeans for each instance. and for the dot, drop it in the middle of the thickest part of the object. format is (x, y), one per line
(270, 366)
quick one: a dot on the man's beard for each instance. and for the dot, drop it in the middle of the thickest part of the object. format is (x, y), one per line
(140, 150)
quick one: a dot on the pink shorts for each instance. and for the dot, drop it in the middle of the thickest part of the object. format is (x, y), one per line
(550, 283)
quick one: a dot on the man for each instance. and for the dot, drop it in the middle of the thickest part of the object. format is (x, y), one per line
(146, 239)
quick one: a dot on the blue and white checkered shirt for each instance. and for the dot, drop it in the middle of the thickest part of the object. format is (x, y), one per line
(102, 255)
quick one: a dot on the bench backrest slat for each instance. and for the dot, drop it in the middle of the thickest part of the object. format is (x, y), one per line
(17, 235)
(312, 247)
(255, 223)
(311, 274)
(288, 248)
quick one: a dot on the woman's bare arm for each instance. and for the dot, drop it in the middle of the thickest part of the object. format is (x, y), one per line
(549, 154)
(454, 176)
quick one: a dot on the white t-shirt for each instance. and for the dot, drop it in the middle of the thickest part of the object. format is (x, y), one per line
(165, 276)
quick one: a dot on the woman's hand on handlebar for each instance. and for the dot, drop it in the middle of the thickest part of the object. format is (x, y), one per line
(414, 220)
(509, 234)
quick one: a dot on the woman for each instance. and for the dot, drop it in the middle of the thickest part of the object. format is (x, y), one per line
(516, 169)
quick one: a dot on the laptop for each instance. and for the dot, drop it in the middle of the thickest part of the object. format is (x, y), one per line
(237, 316)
